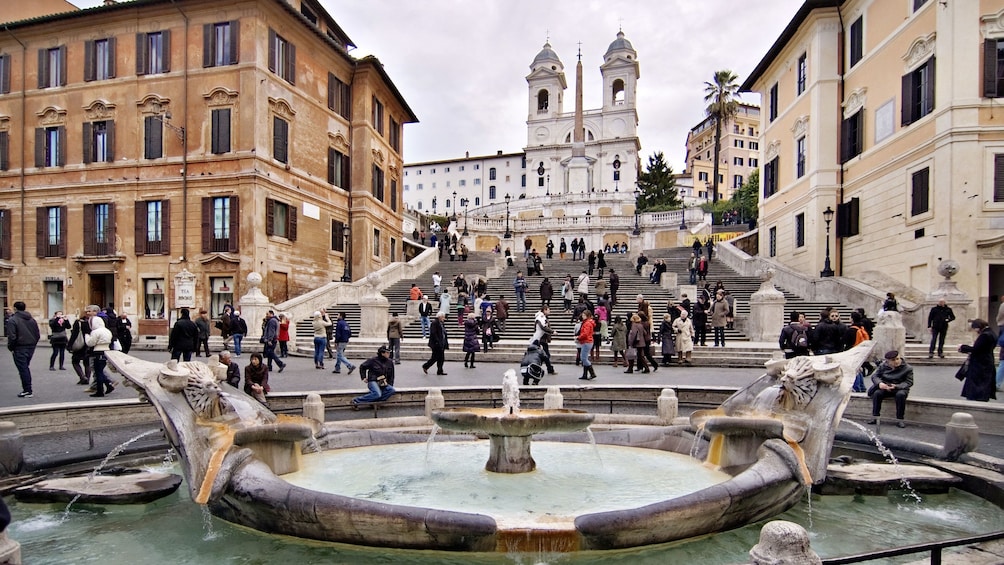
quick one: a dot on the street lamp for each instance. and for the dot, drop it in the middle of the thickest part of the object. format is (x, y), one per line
(683, 219)
(347, 272)
(637, 195)
(165, 119)
(464, 202)
(548, 185)
(827, 217)
(508, 234)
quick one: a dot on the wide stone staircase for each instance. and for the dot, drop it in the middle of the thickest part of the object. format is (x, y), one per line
(519, 325)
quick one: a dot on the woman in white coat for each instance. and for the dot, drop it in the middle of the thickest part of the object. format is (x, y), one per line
(684, 330)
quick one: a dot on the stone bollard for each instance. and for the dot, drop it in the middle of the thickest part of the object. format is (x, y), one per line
(553, 399)
(962, 435)
(783, 542)
(313, 408)
(11, 449)
(889, 335)
(669, 405)
(434, 401)
(766, 310)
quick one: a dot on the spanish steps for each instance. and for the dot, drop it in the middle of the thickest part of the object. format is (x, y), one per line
(519, 325)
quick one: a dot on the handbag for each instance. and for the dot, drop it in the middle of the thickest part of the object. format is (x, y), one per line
(78, 343)
(963, 370)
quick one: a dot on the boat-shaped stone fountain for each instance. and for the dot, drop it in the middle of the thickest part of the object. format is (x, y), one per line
(772, 439)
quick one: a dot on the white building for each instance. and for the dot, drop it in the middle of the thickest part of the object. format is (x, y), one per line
(605, 159)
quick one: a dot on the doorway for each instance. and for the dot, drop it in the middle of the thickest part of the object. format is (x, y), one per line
(102, 289)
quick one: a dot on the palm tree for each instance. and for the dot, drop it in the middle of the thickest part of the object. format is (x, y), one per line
(720, 96)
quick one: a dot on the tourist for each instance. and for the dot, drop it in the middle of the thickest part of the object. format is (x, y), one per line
(867, 323)
(582, 285)
(591, 262)
(183, 339)
(702, 268)
(378, 374)
(532, 364)
(1000, 365)
(979, 378)
(283, 335)
(538, 262)
(424, 314)
(58, 338)
(683, 328)
(893, 379)
(320, 325)
(100, 341)
(794, 338)
(202, 323)
(636, 341)
(22, 338)
(463, 251)
(123, 329)
(343, 333)
(471, 343)
(937, 321)
(223, 324)
(438, 343)
(549, 248)
(640, 262)
(489, 329)
(692, 267)
(730, 318)
(618, 340)
(546, 292)
(567, 292)
(615, 284)
(830, 334)
(415, 293)
(700, 319)
(710, 246)
(602, 317)
(269, 339)
(519, 285)
(585, 341)
(697, 247)
(508, 257)
(575, 249)
(240, 329)
(667, 338)
(78, 349)
(502, 312)
(444, 302)
(562, 249)
(233, 374)
(719, 313)
(394, 335)
(329, 335)
(542, 334)
(437, 282)
(601, 263)
(527, 244)
(890, 304)
(256, 378)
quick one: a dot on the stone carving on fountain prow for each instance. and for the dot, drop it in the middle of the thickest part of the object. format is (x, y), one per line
(798, 400)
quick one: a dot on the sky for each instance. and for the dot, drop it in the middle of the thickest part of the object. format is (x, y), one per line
(461, 64)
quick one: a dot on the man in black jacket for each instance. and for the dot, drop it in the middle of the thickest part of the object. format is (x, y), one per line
(892, 379)
(937, 321)
(22, 337)
(438, 343)
(184, 337)
(378, 374)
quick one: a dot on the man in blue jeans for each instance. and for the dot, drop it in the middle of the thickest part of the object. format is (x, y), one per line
(378, 373)
(22, 337)
(342, 335)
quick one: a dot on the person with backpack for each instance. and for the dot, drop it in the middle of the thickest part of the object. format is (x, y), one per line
(856, 335)
(532, 364)
(794, 339)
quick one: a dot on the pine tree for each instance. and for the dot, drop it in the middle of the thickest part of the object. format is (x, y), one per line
(658, 186)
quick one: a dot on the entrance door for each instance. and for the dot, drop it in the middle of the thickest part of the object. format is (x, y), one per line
(102, 287)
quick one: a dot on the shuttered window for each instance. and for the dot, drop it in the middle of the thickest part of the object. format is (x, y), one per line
(338, 168)
(339, 97)
(280, 139)
(50, 231)
(153, 137)
(280, 219)
(999, 178)
(220, 43)
(99, 59)
(920, 191)
(281, 57)
(918, 93)
(220, 223)
(153, 52)
(5, 235)
(153, 227)
(221, 131)
(852, 136)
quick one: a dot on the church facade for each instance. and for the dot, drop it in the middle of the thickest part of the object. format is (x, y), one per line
(567, 151)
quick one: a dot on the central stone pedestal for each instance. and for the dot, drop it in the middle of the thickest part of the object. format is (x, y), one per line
(510, 454)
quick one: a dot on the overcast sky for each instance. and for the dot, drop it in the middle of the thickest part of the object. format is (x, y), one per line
(461, 64)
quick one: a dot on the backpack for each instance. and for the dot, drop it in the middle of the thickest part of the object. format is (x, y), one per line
(861, 335)
(800, 338)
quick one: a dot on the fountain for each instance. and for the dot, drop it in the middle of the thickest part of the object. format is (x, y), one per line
(509, 430)
(771, 440)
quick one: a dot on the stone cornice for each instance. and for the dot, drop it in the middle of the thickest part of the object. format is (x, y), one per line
(920, 50)
(992, 25)
(99, 110)
(855, 101)
(220, 96)
(52, 116)
(153, 104)
(281, 108)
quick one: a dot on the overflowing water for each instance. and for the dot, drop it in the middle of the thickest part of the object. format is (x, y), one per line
(510, 392)
(111, 455)
(908, 491)
(240, 405)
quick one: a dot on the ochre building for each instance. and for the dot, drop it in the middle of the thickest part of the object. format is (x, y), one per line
(158, 141)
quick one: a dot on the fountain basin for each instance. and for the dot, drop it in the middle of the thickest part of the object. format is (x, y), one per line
(130, 486)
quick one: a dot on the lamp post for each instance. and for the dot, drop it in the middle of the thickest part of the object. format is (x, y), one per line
(548, 185)
(637, 194)
(464, 202)
(507, 234)
(454, 206)
(347, 272)
(827, 217)
(683, 218)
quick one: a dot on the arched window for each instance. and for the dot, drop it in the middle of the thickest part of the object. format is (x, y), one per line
(618, 92)
(491, 173)
(542, 99)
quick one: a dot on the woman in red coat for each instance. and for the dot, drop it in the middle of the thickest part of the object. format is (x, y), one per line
(585, 341)
(283, 335)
